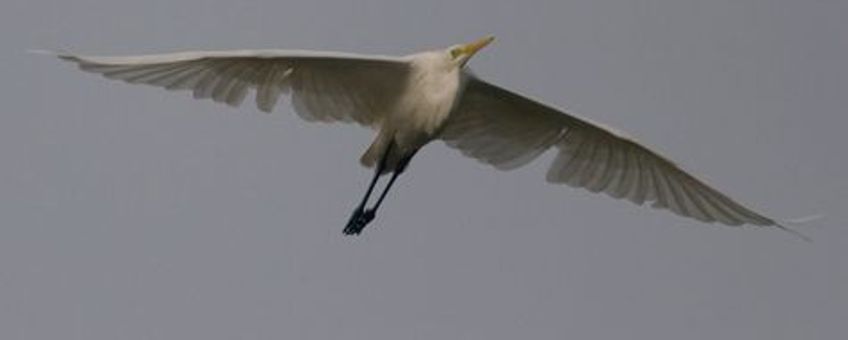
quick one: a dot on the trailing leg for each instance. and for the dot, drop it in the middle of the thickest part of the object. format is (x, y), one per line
(361, 217)
(355, 223)
(369, 214)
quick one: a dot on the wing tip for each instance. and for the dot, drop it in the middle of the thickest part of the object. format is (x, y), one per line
(796, 222)
(793, 232)
(804, 220)
(64, 55)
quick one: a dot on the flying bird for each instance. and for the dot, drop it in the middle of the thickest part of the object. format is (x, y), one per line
(412, 100)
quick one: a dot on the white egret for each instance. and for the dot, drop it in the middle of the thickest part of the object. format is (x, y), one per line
(415, 99)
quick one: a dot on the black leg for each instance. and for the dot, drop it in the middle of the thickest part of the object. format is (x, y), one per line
(356, 223)
(369, 214)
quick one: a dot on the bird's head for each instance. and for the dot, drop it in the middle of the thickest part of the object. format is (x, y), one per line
(460, 54)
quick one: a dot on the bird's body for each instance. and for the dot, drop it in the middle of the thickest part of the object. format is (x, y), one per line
(428, 98)
(412, 100)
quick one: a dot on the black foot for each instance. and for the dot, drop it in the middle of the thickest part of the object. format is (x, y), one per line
(358, 220)
(352, 227)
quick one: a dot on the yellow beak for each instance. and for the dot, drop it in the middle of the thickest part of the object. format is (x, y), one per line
(472, 48)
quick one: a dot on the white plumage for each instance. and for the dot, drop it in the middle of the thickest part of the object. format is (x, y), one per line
(414, 99)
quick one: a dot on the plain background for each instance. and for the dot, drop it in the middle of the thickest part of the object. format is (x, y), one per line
(132, 213)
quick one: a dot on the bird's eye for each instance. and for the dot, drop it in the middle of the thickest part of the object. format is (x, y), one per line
(455, 52)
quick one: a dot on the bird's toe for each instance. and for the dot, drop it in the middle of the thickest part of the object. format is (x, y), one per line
(354, 224)
(367, 217)
(358, 221)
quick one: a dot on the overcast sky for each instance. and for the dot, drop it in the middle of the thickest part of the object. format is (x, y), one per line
(129, 212)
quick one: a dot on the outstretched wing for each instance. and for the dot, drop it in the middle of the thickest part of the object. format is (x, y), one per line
(507, 130)
(325, 86)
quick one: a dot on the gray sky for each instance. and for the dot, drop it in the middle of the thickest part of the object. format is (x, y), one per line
(132, 213)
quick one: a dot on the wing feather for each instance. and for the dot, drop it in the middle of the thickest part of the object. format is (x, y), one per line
(605, 175)
(497, 127)
(327, 86)
(642, 190)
